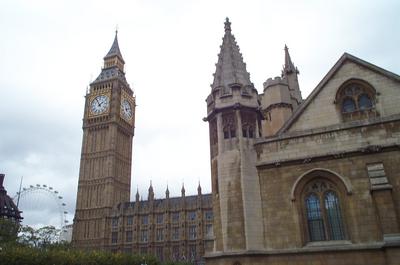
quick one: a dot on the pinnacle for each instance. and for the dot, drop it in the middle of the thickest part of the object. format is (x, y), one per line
(114, 50)
(230, 68)
(289, 66)
(227, 25)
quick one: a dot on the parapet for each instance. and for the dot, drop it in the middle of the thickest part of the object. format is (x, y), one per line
(273, 82)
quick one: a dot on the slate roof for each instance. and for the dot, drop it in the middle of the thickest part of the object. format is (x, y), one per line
(8, 208)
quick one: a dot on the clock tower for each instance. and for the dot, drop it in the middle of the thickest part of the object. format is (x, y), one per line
(106, 156)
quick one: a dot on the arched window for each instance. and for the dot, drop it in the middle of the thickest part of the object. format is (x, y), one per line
(348, 105)
(314, 218)
(364, 102)
(334, 216)
(248, 124)
(323, 212)
(356, 100)
(229, 125)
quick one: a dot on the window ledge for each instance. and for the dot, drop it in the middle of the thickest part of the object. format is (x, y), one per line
(328, 243)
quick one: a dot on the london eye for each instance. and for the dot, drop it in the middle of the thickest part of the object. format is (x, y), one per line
(42, 205)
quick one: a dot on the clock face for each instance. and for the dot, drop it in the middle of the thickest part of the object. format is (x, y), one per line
(99, 104)
(126, 109)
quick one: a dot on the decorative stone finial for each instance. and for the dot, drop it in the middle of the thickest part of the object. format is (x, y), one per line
(227, 25)
(288, 67)
(199, 189)
(183, 189)
(167, 192)
(137, 194)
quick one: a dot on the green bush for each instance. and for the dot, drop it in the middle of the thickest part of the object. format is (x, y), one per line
(62, 254)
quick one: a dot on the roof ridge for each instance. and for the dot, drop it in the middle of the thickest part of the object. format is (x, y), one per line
(327, 77)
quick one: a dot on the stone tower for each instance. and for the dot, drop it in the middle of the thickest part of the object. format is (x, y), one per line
(234, 122)
(105, 168)
(281, 97)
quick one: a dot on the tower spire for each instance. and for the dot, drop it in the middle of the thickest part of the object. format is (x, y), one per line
(289, 67)
(167, 192)
(230, 68)
(199, 189)
(227, 25)
(137, 194)
(151, 192)
(113, 64)
(114, 50)
(183, 190)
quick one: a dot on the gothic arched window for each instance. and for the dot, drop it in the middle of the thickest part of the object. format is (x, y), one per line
(348, 105)
(248, 124)
(364, 102)
(323, 214)
(229, 125)
(356, 99)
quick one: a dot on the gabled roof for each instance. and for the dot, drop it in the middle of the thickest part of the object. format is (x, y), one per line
(345, 57)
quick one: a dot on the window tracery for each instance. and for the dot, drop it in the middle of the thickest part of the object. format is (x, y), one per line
(248, 124)
(229, 125)
(357, 100)
(323, 214)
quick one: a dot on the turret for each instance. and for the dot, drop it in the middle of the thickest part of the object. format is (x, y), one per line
(234, 120)
(281, 97)
(137, 195)
(150, 196)
(114, 56)
(199, 189)
(167, 193)
(289, 74)
(183, 190)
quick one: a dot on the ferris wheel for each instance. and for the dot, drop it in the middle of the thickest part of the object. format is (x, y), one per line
(39, 202)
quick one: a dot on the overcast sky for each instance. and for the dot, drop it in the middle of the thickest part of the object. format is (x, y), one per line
(51, 51)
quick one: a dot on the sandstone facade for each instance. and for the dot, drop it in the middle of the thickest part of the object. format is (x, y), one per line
(319, 180)
(179, 228)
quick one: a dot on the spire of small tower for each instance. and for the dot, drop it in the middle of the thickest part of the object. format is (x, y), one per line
(151, 192)
(114, 50)
(137, 194)
(183, 190)
(230, 68)
(289, 67)
(167, 192)
(227, 25)
(199, 189)
(113, 59)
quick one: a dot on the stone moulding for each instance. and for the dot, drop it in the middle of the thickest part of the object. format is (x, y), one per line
(346, 181)
(337, 127)
(300, 250)
(328, 156)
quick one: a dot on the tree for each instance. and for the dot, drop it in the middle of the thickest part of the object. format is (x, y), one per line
(41, 237)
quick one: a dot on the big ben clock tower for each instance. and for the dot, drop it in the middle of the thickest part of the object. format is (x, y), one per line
(105, 168)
